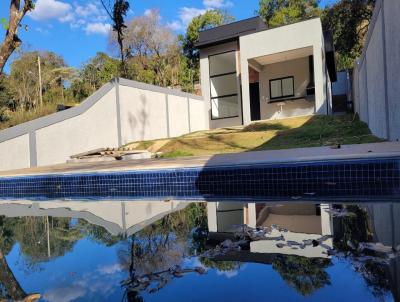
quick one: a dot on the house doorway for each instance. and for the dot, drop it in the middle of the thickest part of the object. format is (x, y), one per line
(255, 101)
(254, 86)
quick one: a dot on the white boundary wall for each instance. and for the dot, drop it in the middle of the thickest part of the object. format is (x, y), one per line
(376, 86)
(120, 112)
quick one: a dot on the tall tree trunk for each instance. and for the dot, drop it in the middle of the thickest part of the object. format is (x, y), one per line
(11, 41)
(121, 49)
(8, 280)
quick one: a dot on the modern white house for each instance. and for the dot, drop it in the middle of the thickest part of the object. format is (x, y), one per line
(250, 72)
(299, 222)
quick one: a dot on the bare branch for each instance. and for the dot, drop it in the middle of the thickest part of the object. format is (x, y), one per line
(107, 9)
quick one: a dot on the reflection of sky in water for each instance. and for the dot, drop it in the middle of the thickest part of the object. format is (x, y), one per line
(92, 271)
(89, 271)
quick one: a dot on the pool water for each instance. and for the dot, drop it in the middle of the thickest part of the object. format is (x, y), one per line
(189, 251)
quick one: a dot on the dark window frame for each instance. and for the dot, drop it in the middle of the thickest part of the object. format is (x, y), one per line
(282, 95)
(222, 96)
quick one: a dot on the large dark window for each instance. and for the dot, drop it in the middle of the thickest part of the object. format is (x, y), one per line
(223, 85)
(281, 88)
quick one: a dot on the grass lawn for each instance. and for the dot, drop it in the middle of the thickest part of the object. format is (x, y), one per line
(308, 131)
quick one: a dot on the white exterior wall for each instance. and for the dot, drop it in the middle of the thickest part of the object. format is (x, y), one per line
(376, 83)
(392, 53)
(114, 115)
(205, 84)
(95, 129)
(197, 116)
(299, 69)
(178, 115)
(295, 36)
(14, 153)
(376, 75)
(117, 217)
(143, 114)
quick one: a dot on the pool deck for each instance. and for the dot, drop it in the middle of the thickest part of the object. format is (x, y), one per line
(361, 151)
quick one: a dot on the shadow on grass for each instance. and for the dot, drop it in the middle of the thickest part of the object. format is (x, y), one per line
(219, 139)
(264, 126)
(274, 135)
(321, 131)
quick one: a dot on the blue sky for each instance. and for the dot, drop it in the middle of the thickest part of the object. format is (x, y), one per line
(77, 29)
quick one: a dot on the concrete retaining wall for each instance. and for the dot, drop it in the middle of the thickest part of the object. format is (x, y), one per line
(120, 112)
(377, 73)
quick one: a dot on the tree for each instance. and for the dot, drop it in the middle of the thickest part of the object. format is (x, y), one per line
(95, 73)
(154, 55)
(117, 13)
(305, 275)
(210, 19)
(153, 50)
(281, 12)
(24, 83)
(5, 97)
(349, 22)
(11, 40)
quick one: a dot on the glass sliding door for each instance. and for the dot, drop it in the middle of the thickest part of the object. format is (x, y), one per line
(223, 85)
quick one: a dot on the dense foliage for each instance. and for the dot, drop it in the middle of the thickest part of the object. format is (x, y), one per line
(347, 19)
(281, 12)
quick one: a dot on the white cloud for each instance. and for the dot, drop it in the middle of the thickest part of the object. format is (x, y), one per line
(175, 25)
(65, 294)
(217, 3)
(88, 10)
(186, 14)
(69, 17)
(228, 274)
(42, 30)
(148, 12)
(50, 9)
(97, 28)
(89, 17)
(110, 269)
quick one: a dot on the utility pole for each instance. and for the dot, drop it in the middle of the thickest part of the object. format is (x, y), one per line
(48, 237)
(40, 83)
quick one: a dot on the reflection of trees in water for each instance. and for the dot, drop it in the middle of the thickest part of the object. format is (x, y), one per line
(169, 241)
(354, 228)
(164, 243)
(97, 233)
(306, 275)
(377, 277)
(40, 239)
(351, 230)
(222, 266)
(44, 238)
(10, 288)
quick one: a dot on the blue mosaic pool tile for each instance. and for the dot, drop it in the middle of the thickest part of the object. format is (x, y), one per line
(314, 180)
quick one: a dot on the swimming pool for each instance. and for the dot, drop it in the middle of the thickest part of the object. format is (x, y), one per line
(345, 179)
(208, 251)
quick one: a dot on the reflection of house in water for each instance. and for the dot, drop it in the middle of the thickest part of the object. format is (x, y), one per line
(300, 221)
(385, 225)
(117, 217)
